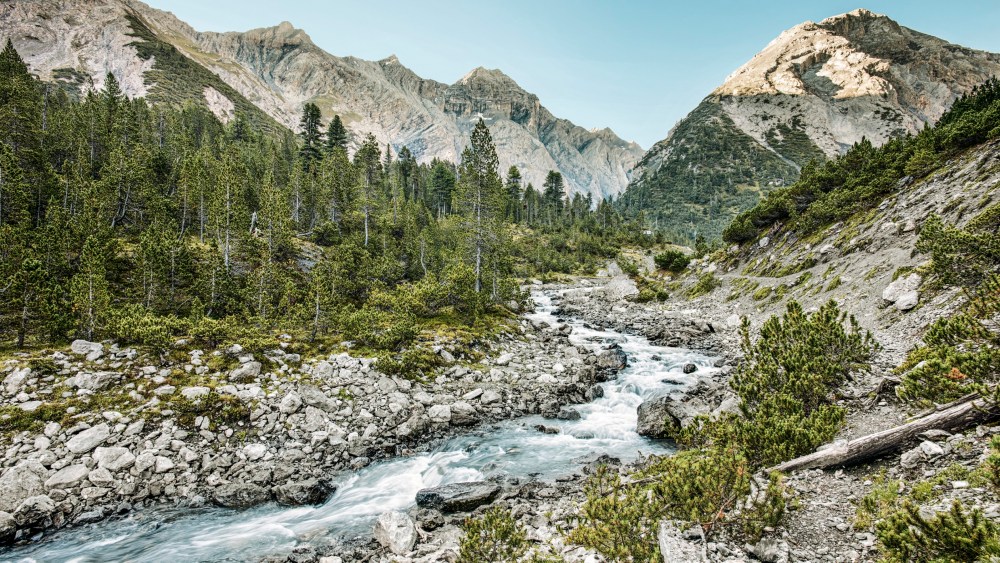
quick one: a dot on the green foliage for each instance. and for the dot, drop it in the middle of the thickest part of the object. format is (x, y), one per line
(962, 256)
(879, 502)
(706, 284)
(706, 488)
(714, 171)
(134, 324)
(960, 352)
(495, 536)
(952, 536)
(858, 180)
(672, 261)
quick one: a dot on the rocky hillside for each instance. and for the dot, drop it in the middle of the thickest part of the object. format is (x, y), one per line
(278, 69)
(814, 91)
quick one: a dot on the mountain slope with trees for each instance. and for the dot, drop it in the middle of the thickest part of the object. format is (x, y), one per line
(811, 94)
(279, 69)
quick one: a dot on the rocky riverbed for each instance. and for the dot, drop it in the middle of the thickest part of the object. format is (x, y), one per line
(274, 427)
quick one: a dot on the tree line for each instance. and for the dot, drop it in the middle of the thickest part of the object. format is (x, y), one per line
(138, 222)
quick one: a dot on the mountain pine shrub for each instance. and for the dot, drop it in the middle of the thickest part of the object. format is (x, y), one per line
(495, 536)
(673, 261)
(952, 536)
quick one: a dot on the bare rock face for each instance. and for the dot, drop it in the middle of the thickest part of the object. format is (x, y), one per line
(813, 92)
(278, 69)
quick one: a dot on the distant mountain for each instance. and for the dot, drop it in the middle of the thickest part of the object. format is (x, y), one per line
(270, 73)
(811, 93)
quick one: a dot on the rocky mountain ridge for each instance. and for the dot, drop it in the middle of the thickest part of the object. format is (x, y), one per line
(278, 69)
(814, 91)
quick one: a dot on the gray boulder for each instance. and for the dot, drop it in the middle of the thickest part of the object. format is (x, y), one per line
(396, 532)
(661, 416)
(26, 479)
(610, 362)
(240, 495)
(301, 493)
(34, 510)
(463, 414)
(67, 477)
(92, 350)
(88, 439)
(113, 458)
(245, 372)
(458, 497)
(8, 527)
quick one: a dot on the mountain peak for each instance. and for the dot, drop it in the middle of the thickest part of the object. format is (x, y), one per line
(390, 60)
(483, 74)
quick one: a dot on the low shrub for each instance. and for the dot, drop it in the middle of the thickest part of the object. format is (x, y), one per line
(495, 536)
(672, 261)
(956, 535)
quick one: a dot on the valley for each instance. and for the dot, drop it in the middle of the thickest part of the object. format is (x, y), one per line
(259, 302)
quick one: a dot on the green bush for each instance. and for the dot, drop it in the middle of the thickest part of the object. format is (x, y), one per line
(706, 284)
(953, 536)
(672, 261)
(495, 537)
(413, 363)
(962, 256)
(134, 324)
(960, 354)
(712, 489)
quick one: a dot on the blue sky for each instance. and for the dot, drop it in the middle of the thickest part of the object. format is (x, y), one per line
(636, 67)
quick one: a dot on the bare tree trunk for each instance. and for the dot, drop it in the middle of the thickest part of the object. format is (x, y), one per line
(963, 413)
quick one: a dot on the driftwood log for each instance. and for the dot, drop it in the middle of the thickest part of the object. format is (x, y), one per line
(963, 413)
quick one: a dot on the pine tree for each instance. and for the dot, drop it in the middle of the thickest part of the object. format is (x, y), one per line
(512, 187)
(367, 161)
(480, 197)
(336, 135)
(309, 124)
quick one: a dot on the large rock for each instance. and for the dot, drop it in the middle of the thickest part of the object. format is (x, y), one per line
(674, 546)
(301, 493)
(245, 372)
(15, 379)
(396, 532)
(315, 397)
(92, 350)
(240, 495)
(900, 287)
(664, 415)
(33, 510)
(67, 477)
(463, 414)
(113, 458)
(88, 439)
(458, 497)
(610, 362)
(26, 479)
(907, 300)
(93, 381)
(439, 413)
(8, 527)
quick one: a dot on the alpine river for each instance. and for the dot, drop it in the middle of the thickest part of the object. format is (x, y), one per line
(513, 448)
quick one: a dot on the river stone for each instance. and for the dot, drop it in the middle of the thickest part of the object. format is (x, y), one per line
(254, 451)
(240, 495)
(671, 541)
(463, 414)
(67, 477)
(93, 350)
(162, 464)
(610, 362)
(504, 359)
(690, 368)
(24, 480)
(489, 397)
(100, 477)
(661, 416)
(33, 510)
(88, 439)
(396, 532)
(301, 493)
(113, 458)
(568, 413)
(439, 413)
(8, 527)
(458, 497)
(314, 397)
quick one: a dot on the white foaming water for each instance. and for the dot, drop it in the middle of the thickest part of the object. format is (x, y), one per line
(509, 449)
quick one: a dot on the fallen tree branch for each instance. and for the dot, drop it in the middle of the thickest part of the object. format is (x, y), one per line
(963, 413)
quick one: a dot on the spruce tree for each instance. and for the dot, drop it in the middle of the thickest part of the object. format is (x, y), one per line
(309, 125)
(336, 135)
